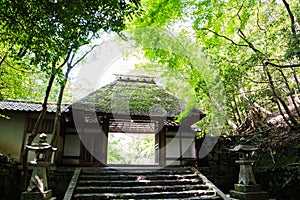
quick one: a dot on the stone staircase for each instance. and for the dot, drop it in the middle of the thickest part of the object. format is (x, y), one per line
(141, 183)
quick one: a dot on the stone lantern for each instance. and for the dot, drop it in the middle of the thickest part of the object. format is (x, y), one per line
(38, 185)
(247, 188)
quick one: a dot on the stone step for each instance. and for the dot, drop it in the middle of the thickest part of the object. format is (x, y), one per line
(191, 194)
(137, 182)
(129, 183)
(136, 189)
(138, 177)
(134, 172)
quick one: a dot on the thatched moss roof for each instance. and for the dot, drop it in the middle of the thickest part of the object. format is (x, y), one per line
(131, 97)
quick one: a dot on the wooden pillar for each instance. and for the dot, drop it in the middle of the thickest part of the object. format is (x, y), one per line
(156, 148)
(180, 148)
(162, 143)
(104, 140)
(84, 160)
(60, 141)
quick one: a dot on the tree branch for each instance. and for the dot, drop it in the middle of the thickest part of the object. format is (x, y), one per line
(19, 70)
(84, 55)
(282, 66)
(223, 36)
(71, 59)
(243, 36)
(257, 21)
(66, 59)
(238, 13)
(292, 18)
(17, 22)
(6, 53)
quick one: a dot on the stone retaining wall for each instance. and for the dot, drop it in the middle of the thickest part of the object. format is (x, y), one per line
(220, 168)
(9, 180)
(282, 183)
(219, 165)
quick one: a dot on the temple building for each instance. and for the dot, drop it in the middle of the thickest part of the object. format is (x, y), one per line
(107, 123)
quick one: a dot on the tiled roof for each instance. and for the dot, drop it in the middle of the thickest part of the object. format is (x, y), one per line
(29, 106)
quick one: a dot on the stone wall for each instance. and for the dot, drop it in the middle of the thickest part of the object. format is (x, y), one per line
(282, 182)
(219, 165)
(10, 179)
(10, 173)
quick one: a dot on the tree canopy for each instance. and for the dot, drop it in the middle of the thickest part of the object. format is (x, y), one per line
(48, 30)
(252, 45)
(46, 36)
(47, 33)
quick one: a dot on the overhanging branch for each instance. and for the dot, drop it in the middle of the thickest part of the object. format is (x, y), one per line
(282, 66)
(85, 54)
(223, 36)
(292, 18)
(243, 36)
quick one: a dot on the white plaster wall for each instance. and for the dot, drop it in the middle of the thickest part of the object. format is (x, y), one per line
(188, 148)
(173, 147)
(11, 134)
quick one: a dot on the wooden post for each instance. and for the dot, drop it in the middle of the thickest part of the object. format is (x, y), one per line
(162, 143)
(104, 140)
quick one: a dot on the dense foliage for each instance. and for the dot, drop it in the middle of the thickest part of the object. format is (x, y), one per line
(252, 46)
(137, 150)
(45, 35)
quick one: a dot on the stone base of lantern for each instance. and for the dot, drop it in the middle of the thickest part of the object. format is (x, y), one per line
(47, 195)
(248, 192)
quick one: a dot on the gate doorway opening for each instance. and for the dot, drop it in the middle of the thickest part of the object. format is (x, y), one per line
(131, 149)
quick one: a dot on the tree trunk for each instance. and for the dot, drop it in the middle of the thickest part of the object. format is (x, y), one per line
(234, 115)
(291, 92)
(295, 77)
(56, 127)
(70, 66)
(278, 100)
(237, 112)
(57, 120)
(221, 110)
(35, 131)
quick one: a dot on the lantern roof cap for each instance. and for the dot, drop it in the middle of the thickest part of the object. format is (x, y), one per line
(42, 145)
(39, 146)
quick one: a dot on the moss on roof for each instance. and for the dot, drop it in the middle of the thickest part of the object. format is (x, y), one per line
(139, 98)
